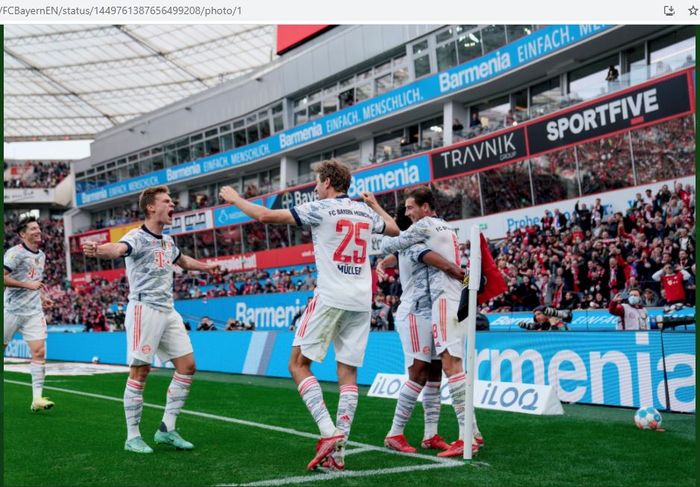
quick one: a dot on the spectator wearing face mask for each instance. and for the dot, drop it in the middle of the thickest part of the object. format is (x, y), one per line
(632, 314)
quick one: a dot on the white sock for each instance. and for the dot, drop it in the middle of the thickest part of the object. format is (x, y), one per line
(458, 392)
(38, 372)
(178, 391)
(408, 395)
(310, 391)
(133, 406)
(431, 408)
(475, 427)
(347, 404)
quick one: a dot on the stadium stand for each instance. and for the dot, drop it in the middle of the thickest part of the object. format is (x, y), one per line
(35, 174)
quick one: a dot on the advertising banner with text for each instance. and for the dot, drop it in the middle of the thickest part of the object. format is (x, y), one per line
(524, 51)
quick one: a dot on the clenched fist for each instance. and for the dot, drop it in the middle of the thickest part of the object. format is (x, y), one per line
(229, 195)
(90, 249)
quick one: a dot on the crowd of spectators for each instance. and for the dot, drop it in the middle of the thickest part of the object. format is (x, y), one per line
(571, 261)
(581, 261)
(35, 174)
(230, 283)
(89, 304)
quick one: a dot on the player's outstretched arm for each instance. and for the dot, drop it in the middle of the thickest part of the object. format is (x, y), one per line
(190, 264)
(415, 234)
(438, 261)
(256, 212)
(12, 282)
(105, 251)
(390, 226)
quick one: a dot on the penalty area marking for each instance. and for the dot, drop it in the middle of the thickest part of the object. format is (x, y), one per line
(359, 447)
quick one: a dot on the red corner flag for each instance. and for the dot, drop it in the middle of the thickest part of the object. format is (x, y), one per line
(492, 282)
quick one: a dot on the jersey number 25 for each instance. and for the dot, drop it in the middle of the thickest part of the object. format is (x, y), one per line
(351, 230)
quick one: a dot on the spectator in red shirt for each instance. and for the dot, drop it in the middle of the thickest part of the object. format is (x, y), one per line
(672, 283)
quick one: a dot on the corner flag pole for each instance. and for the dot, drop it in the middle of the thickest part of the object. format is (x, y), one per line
(469, 366)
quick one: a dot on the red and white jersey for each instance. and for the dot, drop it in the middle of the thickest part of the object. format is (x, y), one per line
(341, 230)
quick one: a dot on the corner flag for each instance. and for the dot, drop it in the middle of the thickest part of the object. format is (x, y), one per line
(480, 264)
(491, 283)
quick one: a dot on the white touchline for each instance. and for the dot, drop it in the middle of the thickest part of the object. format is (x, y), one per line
(345, 474)
(363, 446)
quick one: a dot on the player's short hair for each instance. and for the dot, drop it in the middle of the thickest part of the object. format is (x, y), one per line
(24, 223)
(421, 196)
(635, 289)
(148, 196)
(336, 171)
(402, 221)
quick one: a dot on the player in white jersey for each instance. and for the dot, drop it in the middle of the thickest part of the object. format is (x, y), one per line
(24, 271)
(449, 337)
(414, 325)
(152, 325)
(340, 310)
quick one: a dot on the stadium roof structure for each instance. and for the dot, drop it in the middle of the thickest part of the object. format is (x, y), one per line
(72, 81)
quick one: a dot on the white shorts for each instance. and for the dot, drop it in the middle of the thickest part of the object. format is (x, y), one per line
(416, 334)
(321, 324)
(149, 330)
(448, 334)
(32, 327)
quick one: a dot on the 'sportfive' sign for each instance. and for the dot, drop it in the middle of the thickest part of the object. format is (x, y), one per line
(652, 102)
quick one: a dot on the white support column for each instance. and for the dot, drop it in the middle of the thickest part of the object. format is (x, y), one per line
(73, 220)
(451, 111)
(183, 198)
(367, 155)
(289, 171)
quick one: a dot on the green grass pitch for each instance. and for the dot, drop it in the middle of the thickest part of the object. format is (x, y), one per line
(253, 430)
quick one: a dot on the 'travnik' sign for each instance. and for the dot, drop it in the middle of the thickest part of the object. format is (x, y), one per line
(480, 154)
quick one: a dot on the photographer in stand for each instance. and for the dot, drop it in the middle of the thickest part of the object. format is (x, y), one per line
(547, 318)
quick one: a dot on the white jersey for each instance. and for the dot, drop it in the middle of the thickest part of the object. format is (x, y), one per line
(24, 265)
(149, 267)
(439, 237)
(414, 277)
(340, 230)
(634, 318)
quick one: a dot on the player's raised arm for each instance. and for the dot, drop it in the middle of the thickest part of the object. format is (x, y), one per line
(190, 264)
(107, 250)
(390, 226)
(256, 212)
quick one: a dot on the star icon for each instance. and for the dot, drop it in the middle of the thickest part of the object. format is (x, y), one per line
(693, 10)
